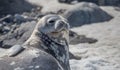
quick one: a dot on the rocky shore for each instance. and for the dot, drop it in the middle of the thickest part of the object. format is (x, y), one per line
(94, 35)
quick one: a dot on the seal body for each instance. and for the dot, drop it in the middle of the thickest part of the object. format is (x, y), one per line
(46, 49)
(30, 59)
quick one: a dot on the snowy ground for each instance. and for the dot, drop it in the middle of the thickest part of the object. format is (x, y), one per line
(105, 53)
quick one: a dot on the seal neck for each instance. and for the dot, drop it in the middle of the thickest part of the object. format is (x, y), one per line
(57, 50)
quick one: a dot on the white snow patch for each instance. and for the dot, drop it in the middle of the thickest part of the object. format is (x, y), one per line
(19, 68)
(12, 63)
(36, 67)
(31, 67)
(93, 63)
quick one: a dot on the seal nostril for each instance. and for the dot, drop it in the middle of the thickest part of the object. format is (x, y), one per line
(59, 25)
(64, 25)
(62, 22)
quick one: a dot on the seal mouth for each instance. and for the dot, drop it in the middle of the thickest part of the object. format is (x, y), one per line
(54, 32)
(59, 37)
(57, 32)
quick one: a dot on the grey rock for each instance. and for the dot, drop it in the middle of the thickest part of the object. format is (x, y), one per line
(98, 2)
(6, 29)
(8, 18)
(76, 39)
(85, 13)
(65, 1)
(0, 25)
(14, 6)
(14, 50)
(18, 35)
(19, 18)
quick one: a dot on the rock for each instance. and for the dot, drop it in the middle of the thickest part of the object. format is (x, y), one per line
(4, 23)
(1, 42)
(85, 13)
(117, 8)
(7, 18)
(1, 31)
(19, 18)
(69, 1)
(98, 2)
(65, 1)
(0, 25)
(14, 50)
(6, 29)
(77, 39)
(74, 2)
(14, 6)
(18, 35)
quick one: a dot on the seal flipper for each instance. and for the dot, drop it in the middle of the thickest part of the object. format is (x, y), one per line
(15, 50)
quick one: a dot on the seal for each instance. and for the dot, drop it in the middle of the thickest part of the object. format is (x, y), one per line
(46, 49)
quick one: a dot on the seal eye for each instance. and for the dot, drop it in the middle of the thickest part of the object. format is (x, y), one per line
(51, 21)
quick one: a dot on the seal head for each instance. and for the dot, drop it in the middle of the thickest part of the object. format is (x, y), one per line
(51, 34)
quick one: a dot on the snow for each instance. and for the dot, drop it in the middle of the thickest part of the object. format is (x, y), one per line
(93, 63)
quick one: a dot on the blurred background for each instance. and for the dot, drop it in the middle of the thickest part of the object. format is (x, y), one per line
(94, 33)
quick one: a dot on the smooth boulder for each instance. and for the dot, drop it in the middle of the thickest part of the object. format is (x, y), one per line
(86, 13)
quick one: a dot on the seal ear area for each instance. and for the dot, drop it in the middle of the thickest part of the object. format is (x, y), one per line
(41, 24)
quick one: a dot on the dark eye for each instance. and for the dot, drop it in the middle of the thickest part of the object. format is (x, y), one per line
(51, 21)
